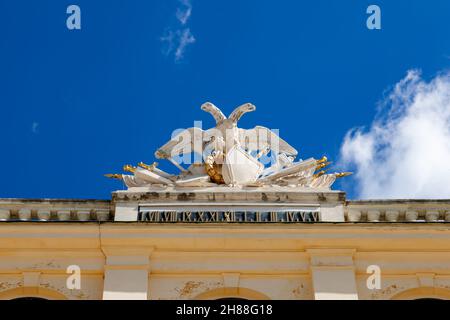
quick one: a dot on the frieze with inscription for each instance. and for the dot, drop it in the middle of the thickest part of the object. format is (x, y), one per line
(196, 216)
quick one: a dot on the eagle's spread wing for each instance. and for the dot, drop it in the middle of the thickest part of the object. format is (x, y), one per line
(239, 111)
(260, 137)
(215, 112)
(187, 141)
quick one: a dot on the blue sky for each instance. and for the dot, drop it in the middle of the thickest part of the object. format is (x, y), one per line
(76, 104)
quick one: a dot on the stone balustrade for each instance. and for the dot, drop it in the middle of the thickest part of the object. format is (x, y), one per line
(36, 210)
(388, 211)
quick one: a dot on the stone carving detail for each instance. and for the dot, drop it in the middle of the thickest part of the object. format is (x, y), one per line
(232, 157)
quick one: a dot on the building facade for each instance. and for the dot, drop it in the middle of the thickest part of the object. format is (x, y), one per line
(218, 244)
(227, 227)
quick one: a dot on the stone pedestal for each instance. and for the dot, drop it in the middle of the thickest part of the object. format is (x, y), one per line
(326, 206)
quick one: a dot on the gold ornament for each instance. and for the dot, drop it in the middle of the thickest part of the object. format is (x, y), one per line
(213, 170)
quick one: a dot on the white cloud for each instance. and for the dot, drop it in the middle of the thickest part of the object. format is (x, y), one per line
(34, 127)
(406, 151)
(177, 41)
(186, 38)
(184, 12)
(178, 38)
(169, 39)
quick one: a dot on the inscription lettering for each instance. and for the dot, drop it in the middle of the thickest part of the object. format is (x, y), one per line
(282, 216)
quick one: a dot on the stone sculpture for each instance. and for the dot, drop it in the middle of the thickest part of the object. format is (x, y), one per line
(231, 157)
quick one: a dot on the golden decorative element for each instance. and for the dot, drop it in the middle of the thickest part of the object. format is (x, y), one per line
(322, 165)
(320, 173)
(343, 174)
(161, 154)
(113, 176)
(213, 170)
(323, 160)
(129, 168)
(148, 167)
